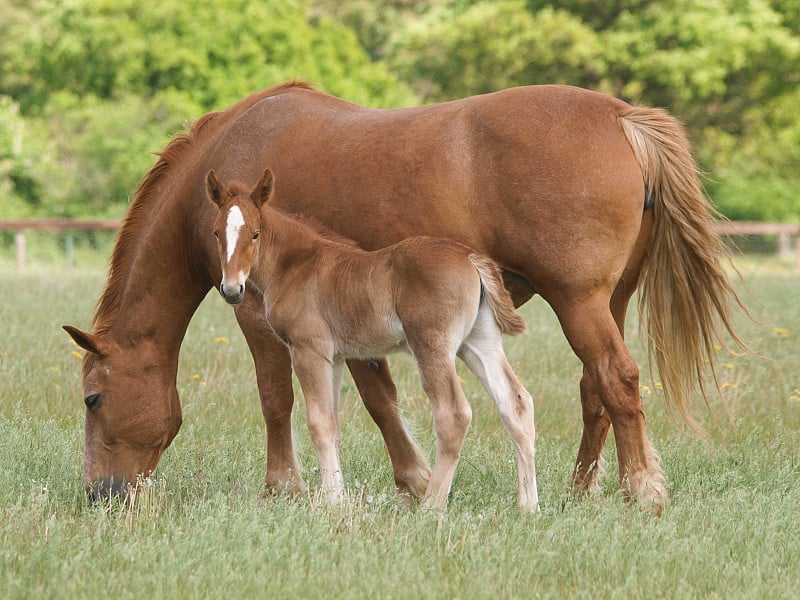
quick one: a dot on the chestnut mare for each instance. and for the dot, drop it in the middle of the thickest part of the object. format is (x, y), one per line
(330, 300)
(578, 196)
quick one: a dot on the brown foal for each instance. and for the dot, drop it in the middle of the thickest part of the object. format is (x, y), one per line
(330, 301)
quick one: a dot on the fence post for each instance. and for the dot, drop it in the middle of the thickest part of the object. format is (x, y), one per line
(784, 244)
(797, 252)
(19, 244)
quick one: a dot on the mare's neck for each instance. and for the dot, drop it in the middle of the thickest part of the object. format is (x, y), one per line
(160, 289)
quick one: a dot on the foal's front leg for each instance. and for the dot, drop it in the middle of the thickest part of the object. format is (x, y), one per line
(274, 376)
(316, 371)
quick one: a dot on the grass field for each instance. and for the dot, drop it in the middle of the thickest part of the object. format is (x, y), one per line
(200, 530)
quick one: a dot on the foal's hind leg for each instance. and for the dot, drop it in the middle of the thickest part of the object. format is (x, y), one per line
(614, 375)
(451, 416)
(483, 353)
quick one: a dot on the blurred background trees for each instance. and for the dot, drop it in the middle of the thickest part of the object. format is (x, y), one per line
(90, 88)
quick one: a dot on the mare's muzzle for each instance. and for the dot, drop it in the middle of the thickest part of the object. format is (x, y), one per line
(108, 488)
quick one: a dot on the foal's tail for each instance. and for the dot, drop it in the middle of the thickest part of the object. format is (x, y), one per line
(685, 291)
(509, 320)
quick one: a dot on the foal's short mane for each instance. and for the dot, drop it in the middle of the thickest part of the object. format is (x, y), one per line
(322, 230)
(146, 193)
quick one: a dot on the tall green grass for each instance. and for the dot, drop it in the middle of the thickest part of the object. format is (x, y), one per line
(201, 530)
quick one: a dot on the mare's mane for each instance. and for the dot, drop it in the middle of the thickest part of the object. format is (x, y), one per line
(146, 192)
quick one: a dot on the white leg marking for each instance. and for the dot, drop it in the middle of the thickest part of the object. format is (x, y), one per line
(483, 353)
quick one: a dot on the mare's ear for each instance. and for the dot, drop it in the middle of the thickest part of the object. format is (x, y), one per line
(214, 188)
(87, 341)
(263, 190)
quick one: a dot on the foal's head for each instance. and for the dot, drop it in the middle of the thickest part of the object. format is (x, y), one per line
(237, 229)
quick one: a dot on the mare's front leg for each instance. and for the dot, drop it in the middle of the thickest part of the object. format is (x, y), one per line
(274, 377)
(317, 374)
(374, 383)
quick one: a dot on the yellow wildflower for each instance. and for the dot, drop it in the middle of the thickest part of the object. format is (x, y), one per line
(78, 355)
(780, 332)
(220, 340)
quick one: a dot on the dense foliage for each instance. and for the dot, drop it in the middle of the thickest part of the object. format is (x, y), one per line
(89, 88)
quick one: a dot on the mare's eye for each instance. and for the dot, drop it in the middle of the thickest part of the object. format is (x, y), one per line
(91, 401)
(216, 234)
(255, 235)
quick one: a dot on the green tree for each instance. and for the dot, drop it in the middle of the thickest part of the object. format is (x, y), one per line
(490, 45)
(106, 82)
(12, 168)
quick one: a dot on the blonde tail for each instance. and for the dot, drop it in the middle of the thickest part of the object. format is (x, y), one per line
(509, 320)
(686, 294)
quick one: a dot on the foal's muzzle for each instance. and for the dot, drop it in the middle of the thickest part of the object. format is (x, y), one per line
(233, 294)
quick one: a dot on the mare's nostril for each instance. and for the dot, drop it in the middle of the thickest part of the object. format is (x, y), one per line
(241, 289)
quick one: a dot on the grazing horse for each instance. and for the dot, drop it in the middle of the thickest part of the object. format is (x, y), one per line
(329, 301)
(578, 196)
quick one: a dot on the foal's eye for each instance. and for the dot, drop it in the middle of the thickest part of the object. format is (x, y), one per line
(255, 235)
(91, 401)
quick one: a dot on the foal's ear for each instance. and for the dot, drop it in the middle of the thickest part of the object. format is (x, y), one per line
(214, 188)
(263, 190)
(87, 341)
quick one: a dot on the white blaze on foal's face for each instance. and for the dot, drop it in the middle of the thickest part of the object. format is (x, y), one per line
(237, 231)
(233, 226)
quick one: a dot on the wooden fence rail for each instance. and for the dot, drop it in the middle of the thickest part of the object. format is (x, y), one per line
(20, 226)
(786, 233)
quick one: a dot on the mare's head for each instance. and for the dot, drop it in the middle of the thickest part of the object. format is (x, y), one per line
(132, 411)
(237, 228)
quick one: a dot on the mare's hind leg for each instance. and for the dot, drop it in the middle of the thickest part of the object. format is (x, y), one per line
(483, 353)
(451, 417)
(614, 376)
(374, 383)
(596, 422)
